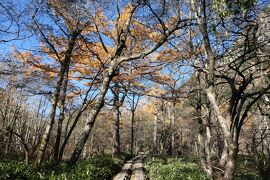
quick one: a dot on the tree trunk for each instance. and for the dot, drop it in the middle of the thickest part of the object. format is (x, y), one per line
(208, 151)
(202, 24)
(172, 127)
(155, 135)
(116, 121)
(116, 131)
(10, 128)
(8, 143)
(204, 134)
(49, 126)
(26, 152)
(231, 162)
(93, 115)
(61, 118)
(86, 131)
(69, 132)
(132, 131)
(224, 155)
(230, 138)
(63, 146)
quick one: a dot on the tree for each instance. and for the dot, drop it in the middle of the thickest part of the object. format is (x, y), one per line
(133, 101)
(118, 101)
(237, 70)
(70, 28)
(22, 123)
(12, 26)
(124, 25)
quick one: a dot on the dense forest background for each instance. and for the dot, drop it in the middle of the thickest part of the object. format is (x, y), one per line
(82, 79)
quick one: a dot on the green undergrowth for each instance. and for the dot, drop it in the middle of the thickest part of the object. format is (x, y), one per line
(246, 169)
(98, 167)
(162, 168)
(188, 168)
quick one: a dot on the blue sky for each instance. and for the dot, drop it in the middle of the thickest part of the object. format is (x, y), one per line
(31, 42)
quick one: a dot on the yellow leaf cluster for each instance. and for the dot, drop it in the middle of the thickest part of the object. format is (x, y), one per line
(155, 36)
(150, 108)
(155, 91)
(169, 55)
(125, 16)
(140, 31)
(171, 22)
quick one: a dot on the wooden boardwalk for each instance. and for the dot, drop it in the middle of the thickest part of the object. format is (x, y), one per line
(138, 173)
(133, 169)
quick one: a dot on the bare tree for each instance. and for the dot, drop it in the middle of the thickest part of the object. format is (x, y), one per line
(237, 68)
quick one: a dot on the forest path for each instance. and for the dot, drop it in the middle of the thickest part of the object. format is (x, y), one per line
(133, 169)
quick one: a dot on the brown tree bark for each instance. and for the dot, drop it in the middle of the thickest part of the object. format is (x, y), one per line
(94, 112)
(204, 134)
(202, 24)
(68, 133)
(63, 146)
(49, 126)
(116, 122)
(11, 126)
(133, 106)
(173, 126)
(132, 132)
(62, 116)
(116, 131)
(155, 145)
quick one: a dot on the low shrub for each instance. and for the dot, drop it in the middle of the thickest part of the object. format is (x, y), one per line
(246, 169)
(162, 168)
(98, 167)
(16, 170)
(173, 169)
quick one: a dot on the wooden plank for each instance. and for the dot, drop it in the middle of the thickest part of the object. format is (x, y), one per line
(124, 171)
(138, 173)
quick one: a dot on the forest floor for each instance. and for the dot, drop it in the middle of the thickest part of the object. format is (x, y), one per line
(188, 167)
(138, 168)
(93, 168)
